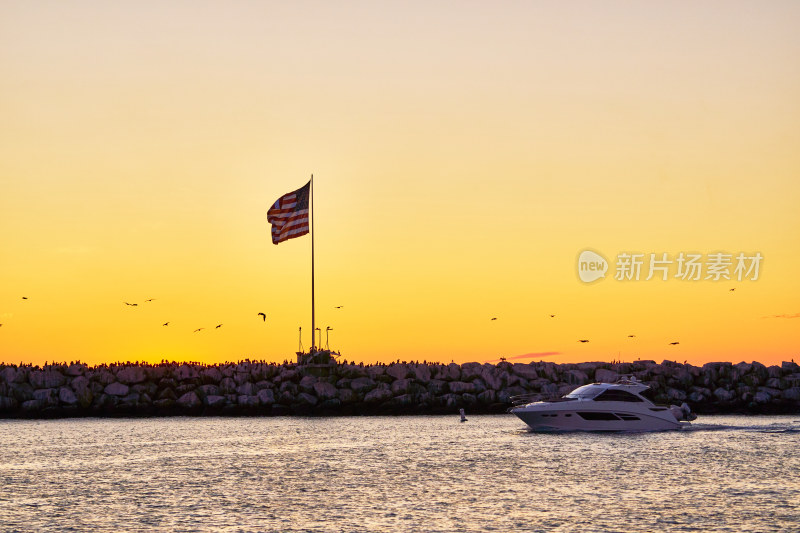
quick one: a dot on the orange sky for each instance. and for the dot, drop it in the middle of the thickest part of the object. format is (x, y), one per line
(464, 155)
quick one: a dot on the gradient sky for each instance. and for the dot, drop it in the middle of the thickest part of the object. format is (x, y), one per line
(464, 153)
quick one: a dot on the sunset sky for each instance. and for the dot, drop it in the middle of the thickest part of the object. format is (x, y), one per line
(464, 154)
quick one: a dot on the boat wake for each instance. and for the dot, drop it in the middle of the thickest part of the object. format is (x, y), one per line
(779, 427)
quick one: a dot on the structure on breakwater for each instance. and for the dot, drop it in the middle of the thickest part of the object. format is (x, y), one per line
(256, 388)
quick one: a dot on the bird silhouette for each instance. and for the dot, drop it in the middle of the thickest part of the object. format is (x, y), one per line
(631, 335)
(731, 290)
(552, 316)
(198, 329)
(263, 316)
(165, 324)
(584, 340)
(218, 326)
(495, 318)
(24, 297)
(338, 307)
(132, 305)
(149, 299)
(674, 343)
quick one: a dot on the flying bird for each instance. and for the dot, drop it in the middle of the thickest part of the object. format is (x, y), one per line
(149, 299)
(263, 316)
(731, 290)
(132, 305)
(198, 329)
(339, 306)
(583, 340)
(495, 318)
(552, 316)
(165, 324)
(674, 343)
(631, 335)
(218, 326)
(24, 297)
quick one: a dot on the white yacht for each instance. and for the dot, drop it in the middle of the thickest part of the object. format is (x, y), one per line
(603, 407)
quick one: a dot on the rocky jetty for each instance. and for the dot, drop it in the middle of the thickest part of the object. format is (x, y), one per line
(268, 389)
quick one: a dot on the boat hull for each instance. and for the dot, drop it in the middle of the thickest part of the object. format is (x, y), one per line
(593, 418)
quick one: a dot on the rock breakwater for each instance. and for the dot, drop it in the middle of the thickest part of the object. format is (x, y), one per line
(268, 389)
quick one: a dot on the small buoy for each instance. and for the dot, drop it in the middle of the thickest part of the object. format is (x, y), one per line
(463, 416)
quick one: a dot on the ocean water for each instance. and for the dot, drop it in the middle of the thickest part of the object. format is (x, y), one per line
(395, 474)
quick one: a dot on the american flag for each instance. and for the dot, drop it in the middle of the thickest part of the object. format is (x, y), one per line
(289, 215)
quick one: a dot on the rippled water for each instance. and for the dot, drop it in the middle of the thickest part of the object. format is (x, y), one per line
(395, 474)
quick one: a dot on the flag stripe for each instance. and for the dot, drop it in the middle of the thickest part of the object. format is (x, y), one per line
(289, 215)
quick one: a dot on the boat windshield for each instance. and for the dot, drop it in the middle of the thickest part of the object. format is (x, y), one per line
(587, 392)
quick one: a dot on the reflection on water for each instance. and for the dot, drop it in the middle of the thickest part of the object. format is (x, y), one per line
(395, 473)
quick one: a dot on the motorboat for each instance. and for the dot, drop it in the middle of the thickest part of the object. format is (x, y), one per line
(617, 406)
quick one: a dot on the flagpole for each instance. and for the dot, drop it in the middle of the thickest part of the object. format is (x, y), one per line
(313, 346)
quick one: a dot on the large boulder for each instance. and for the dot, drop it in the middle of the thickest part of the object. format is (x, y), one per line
(324, 390)
(8, 374)
(437, 387)
(487, 397)
(227, 386)
(102, 376)
(66, 396)
(576, 377)
(491, 377)
(247, 400)
(185, 372)
(362, 384)
(131, 374)
(7, 403)
(791, 394)
(602, 375)
(22, 392)
(421, 373)
(246, 389)
(211, 375)
(724, 395)
(208, 390)
(215, 401)
(304, 398)
(470, 371)
(189, 400)
(241, 377)
(451, 372)
(400, 386)
(75, 370)
(460, 387)
(79, 383)
(116, 389)
(378, 395)
(375, 371)
(266, 396)
(46, 397)
(347, 396)
(675, 395)
(307, 384)
(526, 371)
(762, 397)
(32, 405)
(398, 371)
(46, 379)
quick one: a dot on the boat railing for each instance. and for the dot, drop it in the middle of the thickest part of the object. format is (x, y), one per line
(524, 399)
